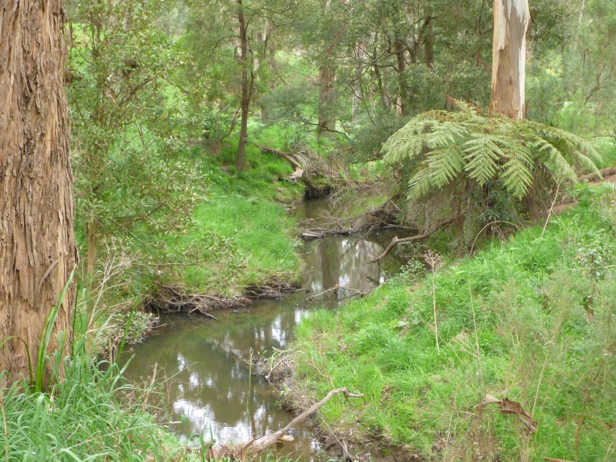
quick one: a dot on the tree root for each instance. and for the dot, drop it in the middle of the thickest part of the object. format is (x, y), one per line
(175, 298)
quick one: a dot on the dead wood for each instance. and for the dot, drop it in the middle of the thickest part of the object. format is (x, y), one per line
(336, 288)
(511, 407)
(280, 436)
(272, 290)
(418, 237)
(177, 298)
(603, 174)
(290, 158)
(327, 225)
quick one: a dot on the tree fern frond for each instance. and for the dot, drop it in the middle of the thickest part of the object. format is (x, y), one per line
(482, 155)
(447, 144)
(419, 184)
(445, 164)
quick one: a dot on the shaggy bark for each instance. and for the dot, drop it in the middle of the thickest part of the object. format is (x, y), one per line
(511, 20)
(37, 245)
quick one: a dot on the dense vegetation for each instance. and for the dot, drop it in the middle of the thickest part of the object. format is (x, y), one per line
(531, 319)
(184, 116)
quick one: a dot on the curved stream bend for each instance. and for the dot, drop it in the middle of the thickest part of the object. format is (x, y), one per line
(210, 386)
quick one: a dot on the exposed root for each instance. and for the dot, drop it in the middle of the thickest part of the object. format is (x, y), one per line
(175, 298)
(273, 290)
(337, 289)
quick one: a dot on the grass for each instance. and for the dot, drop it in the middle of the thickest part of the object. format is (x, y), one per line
(532, 320)
(245, 223)
(83, 418)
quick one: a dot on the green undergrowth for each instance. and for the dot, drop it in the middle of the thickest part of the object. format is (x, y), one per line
(87, 416)
(91, 415)
(532, 320)
(242, 226)
(248, 211)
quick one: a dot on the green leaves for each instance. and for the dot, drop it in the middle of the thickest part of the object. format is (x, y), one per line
(443, 146)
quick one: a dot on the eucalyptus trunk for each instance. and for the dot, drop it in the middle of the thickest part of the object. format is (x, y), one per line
(511, 20)
(37, 245)
(327, 98)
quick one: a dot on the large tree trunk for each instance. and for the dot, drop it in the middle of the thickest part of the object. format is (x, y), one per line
(511, 20)
(37, 246)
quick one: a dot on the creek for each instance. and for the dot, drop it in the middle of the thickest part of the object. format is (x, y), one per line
(207, 382)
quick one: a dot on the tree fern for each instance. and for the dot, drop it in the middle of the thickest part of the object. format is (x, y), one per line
(444, 146)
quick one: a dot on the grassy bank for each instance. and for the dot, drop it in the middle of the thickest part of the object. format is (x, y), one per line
(532, 320)
(244, 216)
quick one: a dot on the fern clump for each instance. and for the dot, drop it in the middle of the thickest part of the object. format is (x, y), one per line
(443, 146)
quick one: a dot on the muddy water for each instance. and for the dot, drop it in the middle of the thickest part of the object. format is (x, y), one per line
(208, 385)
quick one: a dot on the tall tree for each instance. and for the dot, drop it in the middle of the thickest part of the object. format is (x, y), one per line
(37, 245)
(511, 20)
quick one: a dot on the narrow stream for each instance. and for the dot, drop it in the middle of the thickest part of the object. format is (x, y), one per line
(208, 385)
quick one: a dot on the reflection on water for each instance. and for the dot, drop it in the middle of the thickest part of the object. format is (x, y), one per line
(209, 386)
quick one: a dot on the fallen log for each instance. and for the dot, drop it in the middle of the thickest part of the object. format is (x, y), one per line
(602, 174)
(284, 155)
(280, 436)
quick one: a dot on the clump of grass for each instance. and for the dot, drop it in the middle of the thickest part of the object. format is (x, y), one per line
(82, 418)
(532, 320)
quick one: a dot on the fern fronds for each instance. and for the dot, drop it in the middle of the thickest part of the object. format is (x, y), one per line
(442, 146)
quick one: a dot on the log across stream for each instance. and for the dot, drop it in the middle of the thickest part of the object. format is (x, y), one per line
(208, 382)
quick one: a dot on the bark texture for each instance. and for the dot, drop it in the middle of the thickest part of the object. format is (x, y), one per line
(37, 245)
(511, 20)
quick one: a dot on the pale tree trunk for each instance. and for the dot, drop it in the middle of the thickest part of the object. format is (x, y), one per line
(37, 245)
(511, 20)
(327, 98)
(403, 94)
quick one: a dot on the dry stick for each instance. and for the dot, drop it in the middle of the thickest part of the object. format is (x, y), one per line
(545, 362)
(586, 399)
(397, 241)
(438, 349)
(489, 224)
(551, 208)
(266, 441)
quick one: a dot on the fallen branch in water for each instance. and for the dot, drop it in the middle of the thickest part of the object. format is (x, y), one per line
(383, 216)
(335, 289)
(267, 441)
(418, 237)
